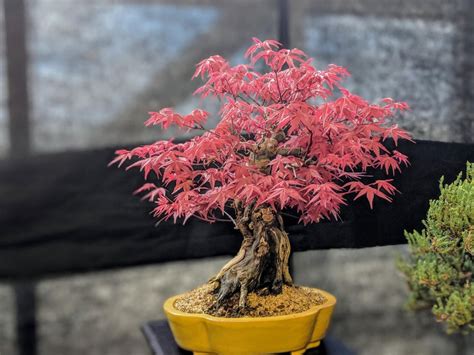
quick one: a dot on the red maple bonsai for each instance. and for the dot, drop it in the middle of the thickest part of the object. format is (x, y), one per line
(280, 144)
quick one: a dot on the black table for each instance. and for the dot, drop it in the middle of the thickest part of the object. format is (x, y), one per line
(159, 337)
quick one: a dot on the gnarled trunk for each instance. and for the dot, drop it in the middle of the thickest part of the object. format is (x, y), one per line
(261, 265)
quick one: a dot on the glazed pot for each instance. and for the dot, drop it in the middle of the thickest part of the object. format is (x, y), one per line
(295, 333)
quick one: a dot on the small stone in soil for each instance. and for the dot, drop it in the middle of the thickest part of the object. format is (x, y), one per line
(293, 299)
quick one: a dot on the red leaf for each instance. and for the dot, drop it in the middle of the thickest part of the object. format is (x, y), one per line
(288, 136)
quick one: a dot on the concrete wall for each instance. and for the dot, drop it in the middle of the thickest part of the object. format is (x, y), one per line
(98, 68)
(416, 51)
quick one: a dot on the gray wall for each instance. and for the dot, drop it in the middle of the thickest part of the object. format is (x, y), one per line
(97, 68)
(416, 51)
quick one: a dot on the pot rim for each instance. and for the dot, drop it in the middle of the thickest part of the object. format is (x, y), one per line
(172, 310)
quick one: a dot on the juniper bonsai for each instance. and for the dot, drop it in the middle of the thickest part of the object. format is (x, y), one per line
(440, 268)
(290, 137)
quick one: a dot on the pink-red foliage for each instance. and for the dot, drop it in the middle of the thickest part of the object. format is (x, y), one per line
(328, 139)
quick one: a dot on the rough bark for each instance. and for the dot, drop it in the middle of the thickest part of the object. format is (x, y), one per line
(261, 265)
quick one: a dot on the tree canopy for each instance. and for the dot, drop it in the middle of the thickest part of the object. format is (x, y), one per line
(290, 136)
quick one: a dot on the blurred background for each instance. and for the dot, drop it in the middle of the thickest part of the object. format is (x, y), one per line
(95, 68)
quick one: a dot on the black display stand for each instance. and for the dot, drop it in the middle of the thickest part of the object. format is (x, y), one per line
(160, 339)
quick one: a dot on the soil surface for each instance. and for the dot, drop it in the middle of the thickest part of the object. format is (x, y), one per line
(294, 299)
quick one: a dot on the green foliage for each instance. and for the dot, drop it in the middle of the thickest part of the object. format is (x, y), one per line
(440, 267)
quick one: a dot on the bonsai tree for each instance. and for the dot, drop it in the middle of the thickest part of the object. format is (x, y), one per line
(290, 137)
(441, 265)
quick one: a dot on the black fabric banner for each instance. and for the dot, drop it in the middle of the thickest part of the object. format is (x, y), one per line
(67, 212)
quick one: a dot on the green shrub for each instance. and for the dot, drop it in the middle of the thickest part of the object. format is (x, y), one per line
(440, 267)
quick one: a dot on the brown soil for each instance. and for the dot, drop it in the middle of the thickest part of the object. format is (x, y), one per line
(293, 299)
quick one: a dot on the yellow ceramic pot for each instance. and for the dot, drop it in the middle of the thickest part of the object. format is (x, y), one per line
(295, 333)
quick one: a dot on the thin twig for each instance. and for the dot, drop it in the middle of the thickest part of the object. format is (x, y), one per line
(232, 219)
(278, 86)
(288, 215)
